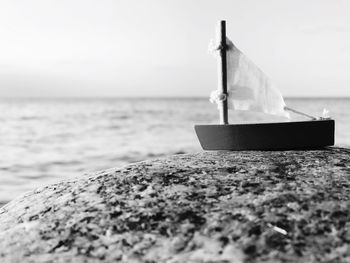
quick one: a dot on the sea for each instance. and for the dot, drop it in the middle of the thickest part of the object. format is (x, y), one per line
(45, 140)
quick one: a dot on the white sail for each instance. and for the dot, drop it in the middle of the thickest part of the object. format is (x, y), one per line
(248, 87)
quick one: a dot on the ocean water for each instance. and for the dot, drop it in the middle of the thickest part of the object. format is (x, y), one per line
(47, 140)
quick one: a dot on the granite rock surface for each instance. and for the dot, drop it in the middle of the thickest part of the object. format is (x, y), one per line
(282, 206)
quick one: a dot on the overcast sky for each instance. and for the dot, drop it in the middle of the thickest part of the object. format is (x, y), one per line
(159, 47)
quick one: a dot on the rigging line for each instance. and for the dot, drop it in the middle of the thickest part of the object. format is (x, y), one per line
(300, 113)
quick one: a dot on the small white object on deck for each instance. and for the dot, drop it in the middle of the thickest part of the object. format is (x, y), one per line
(325, 114)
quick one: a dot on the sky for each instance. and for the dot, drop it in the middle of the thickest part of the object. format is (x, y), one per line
(159, 48)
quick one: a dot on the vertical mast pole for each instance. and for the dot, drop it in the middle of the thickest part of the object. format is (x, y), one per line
(222, 70)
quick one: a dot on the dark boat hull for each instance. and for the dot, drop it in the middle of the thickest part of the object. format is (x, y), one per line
(267, 136)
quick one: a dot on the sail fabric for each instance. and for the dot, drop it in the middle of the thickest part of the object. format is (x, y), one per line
(248, 87)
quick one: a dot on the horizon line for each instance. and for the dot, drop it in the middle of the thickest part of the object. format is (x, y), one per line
(155, 97)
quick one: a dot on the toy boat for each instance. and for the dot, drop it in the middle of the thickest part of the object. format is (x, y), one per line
(249, 89)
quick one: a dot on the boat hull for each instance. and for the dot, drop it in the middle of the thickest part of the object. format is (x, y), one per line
(267, 136)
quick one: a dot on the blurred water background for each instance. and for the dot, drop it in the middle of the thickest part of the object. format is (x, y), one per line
(46, 140)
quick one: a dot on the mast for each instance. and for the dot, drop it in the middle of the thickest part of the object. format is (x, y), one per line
(222, 71)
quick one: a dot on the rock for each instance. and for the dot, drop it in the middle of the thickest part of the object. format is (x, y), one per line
(206, 207)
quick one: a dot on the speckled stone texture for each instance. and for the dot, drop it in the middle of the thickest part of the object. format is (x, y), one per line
(283, 206)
